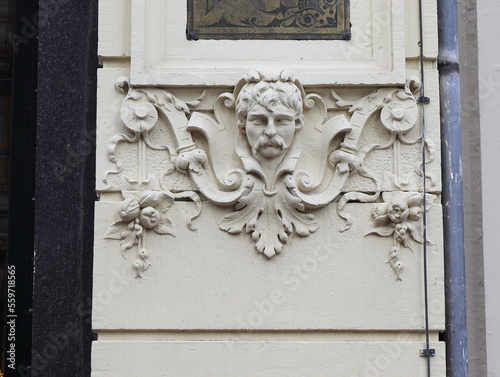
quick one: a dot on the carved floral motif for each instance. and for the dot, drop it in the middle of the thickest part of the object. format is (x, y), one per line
(400, 217)
(398, 115)
(139, 114)
(140, 212)
(269, 153)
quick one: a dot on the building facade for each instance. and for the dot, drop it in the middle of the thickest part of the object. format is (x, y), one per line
(235, 304)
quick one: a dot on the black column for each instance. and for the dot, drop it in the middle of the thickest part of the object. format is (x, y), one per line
(64, 188)
(22, 190)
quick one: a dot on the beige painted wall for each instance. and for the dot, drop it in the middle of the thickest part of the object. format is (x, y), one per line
(115, 50)
(471, 160)
(209, 304)
(489, 98)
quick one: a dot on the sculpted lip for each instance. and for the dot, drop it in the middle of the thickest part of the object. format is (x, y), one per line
(264, 142)
(281, 177)
(270, 131)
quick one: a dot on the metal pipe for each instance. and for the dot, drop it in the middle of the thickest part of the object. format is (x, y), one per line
(451, 144)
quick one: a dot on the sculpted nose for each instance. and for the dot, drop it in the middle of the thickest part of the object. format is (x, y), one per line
(270, 130)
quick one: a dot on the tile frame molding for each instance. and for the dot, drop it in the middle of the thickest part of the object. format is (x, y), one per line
(378, 31)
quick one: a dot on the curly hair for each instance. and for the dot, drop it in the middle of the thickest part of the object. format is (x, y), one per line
(268, 91)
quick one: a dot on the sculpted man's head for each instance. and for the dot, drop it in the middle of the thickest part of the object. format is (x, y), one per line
(269, 111)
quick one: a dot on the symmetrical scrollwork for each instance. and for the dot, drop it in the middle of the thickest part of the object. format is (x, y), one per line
(269, 150)
(273, 199)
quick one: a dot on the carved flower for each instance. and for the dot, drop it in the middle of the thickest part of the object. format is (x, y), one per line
(140, 118)
(415, 213)
(138, 211)
(130, 209)
(399, 116)
(400, 218)
(398, 210)
(150, 218)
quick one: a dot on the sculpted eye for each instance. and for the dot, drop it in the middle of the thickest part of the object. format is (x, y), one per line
(284, 121)
(258, 121)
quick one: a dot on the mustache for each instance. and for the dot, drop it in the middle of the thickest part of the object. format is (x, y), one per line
(265, 141)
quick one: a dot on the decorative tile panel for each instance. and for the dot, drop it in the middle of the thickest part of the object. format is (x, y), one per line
(248, 19)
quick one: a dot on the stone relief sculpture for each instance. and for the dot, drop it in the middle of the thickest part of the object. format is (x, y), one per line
(269, 150)
(139, 213)
(273, 198)
(399, 216)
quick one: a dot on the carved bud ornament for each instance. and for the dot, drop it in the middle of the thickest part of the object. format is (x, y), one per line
(399, 217)
(268, 153)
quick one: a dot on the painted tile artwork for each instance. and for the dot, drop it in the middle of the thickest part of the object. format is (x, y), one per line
(268, 19)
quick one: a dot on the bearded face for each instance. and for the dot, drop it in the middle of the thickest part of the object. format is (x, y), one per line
(270, 131)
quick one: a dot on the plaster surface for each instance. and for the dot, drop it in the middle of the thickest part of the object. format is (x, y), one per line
(376, 47)
(489, 96)
(214, 256)
(265, 359)
(211, 280)
(471, 158)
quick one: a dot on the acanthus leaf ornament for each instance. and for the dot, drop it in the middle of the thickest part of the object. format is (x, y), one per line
(271, 151)
(270, 218)
(272, 198)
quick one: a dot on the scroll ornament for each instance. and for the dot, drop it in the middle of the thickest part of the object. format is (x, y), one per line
(272, 198)
(272, 152)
